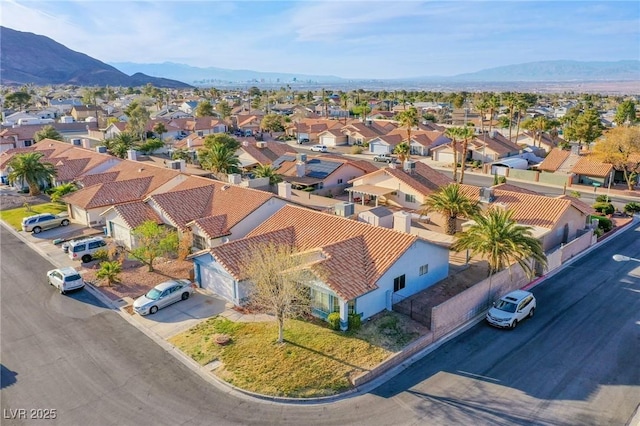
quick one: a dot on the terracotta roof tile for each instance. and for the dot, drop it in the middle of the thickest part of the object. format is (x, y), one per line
(587, 167)
(424, 179)
(345, 242)
(136, 213)
(554, 160)
(213, 226)
(110, 193)
(528, 209)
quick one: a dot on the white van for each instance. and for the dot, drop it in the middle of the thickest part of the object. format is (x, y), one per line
(83, 249)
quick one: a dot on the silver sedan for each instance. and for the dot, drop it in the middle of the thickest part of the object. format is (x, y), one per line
(164, 294)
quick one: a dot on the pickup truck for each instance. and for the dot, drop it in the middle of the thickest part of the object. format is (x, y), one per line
(385, 158)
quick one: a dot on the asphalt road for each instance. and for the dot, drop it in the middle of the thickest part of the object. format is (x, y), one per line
(575, 363)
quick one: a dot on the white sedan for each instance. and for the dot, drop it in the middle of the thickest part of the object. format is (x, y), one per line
(319, 148)
(164, 294)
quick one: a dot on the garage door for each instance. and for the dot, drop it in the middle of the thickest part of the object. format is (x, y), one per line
(378, 148)
(213, 281)
(119, 233)
(444, 157)
(328, 140)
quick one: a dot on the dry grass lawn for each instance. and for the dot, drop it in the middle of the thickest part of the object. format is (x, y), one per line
(314, 360)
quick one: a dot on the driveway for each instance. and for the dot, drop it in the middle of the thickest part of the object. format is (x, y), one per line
(182, 315)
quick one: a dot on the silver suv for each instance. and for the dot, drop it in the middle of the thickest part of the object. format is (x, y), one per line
(41, 222)
(84, 248)
(511, 309)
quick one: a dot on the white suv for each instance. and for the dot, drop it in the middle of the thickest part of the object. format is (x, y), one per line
(511, 309)
(65, 279)
(84, 248)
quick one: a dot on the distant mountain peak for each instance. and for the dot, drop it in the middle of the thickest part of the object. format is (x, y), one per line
(30, 58)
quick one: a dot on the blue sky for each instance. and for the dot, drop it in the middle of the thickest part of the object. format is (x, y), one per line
(350, 39)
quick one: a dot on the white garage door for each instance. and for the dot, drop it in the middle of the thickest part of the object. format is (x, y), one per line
(376, 148)
(444, 157)
(119, 233)
(211, 280)
(328, 140)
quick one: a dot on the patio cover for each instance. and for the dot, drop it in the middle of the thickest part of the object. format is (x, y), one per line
(377, 191)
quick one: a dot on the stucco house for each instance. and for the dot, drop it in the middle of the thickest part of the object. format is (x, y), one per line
(404, 186)
(357, 268)
(320, 172)
(210, 212)
(555, 220)
(485, 148)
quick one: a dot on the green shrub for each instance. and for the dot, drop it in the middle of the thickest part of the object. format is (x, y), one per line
(632, 207)
(604, 223)
(100, 255)
(502, 179)
(604, 208)
(356, 149)
(354, 322)
(477, 163)
(309, 189)
(334, 320)
(598, 232)
(603, 199)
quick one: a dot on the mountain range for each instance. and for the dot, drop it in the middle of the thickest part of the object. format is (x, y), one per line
(30, 58)
(543, 71)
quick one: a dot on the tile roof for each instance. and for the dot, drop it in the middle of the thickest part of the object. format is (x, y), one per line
(578, 204)
(528, 209)
(213, 226)
(587, 167)
(424, 179)
(191, 201)
(89, 180)
(356, 254)
(497, 143)
(514, 188)
(554, 160)
(269, 152)
(136, 213)
(110, 193)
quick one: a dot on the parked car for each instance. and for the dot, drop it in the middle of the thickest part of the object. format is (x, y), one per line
(319, 148)
(84, 248)
(511, 309)
(164, 294)
(385, 158)
(303, 140)
(41, 222)
(65, 279)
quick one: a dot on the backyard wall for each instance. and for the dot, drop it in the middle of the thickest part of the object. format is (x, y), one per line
(461, 308)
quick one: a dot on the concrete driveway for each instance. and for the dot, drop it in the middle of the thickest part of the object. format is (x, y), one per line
(182, 315)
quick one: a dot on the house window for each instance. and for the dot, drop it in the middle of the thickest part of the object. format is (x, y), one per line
(339, 181)
(424, 269)
(199, 242)
(27, 143)
(323, 302)
(409, 198)
(351, 306)
(398, 283)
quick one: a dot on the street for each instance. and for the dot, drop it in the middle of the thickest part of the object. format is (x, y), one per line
(574, 363)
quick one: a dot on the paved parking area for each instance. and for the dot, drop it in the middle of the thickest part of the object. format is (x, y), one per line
(182, 315)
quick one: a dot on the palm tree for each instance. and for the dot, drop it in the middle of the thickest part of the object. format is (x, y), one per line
(450, 202)
(120, 144)
(160, 129)
(453, 133)
(220, 159)
(110, 272)
(48, 132)
(466, 133)
(498, 238)
(409, 119)
(494, 105)
(29, 168)
(62, 190)
(403, 149)
(266, 170)
(482, 106)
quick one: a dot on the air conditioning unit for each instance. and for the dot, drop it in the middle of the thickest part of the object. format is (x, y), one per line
(486, 195)
(345, 209)
(101, 149)
(175, 165)
(409, 166)
(261, 144)
(76, 142)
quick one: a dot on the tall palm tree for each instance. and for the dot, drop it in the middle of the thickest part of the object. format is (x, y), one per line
(450, 202)
(521, 109)
(465, 133)
(453, 133)
(408, 118)
(29, 168)
(266, 170)
(510, 101)
(498, 238)
(220, 159)
(403, 149)
(494, 105)
(482, 106)
(120, 144)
